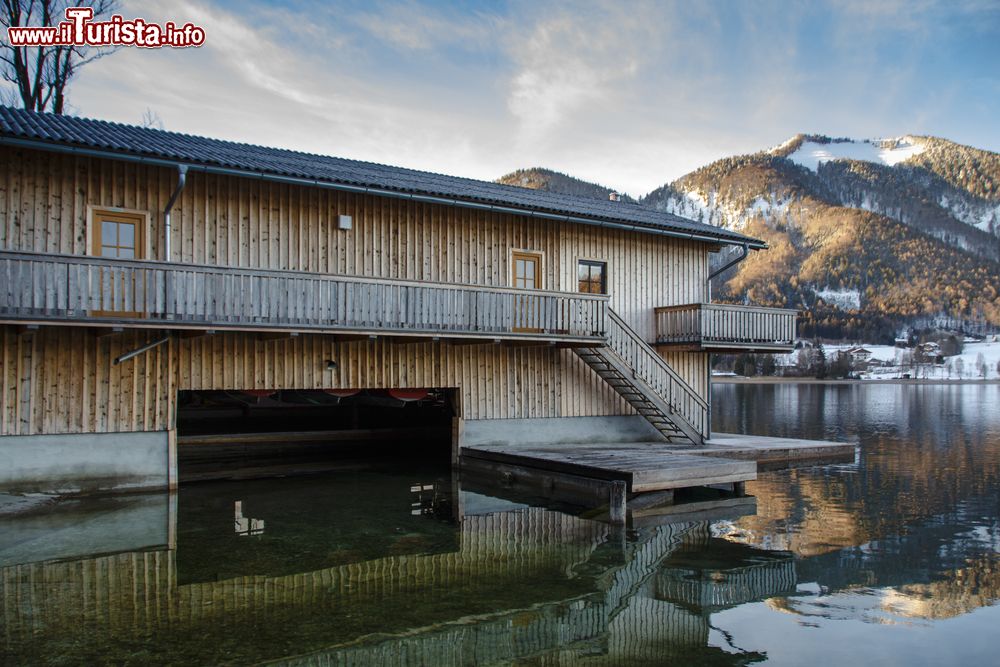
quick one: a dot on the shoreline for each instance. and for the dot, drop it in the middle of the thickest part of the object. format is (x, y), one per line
(805, 380)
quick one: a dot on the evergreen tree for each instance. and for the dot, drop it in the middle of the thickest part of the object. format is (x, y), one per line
(819, 365)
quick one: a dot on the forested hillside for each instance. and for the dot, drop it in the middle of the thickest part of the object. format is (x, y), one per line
(866, 238)
(553, 181)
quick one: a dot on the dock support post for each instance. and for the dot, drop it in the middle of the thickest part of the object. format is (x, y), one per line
(172, 472)
(616, 501)
(739, 489)
(457, 428)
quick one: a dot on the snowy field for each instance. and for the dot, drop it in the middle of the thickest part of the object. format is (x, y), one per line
(811, 154)
(965, 366)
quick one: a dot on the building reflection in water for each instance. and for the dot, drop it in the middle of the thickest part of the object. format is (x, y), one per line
(431, 572)
(498, 580)
(246, 526)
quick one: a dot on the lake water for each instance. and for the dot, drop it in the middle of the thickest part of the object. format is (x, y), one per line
(890, 559)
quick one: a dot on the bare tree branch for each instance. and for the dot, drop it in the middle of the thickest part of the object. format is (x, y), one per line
(151, 119)
(41, 74)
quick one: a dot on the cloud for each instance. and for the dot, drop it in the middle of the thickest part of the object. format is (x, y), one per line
(254, 81)
(569, 60)
(416, 27)
(627, 95)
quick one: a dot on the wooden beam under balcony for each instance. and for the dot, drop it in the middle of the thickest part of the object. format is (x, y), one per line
(414, 340)
(725, 328)
(355, 338)
(457, 342)
(196, 333)
(103, 332)
(277, 335)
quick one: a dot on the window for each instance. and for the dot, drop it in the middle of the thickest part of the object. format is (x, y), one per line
(119, 235)
(526, 270)
(526, 274)
(593, 276)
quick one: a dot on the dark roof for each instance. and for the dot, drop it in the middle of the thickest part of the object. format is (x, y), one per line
(44, 128)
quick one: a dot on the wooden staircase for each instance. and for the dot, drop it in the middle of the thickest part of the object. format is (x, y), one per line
(639, 395)
(644, 379)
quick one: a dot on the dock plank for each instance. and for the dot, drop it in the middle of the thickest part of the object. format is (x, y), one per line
(656, 466)
(644, 466)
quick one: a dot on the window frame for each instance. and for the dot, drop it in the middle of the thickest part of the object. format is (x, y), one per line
(98, 214)
(537, 255)
(584, 261)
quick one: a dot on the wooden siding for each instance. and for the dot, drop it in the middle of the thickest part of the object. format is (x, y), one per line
(230, 221)
(61, 379)
(238, 222)
(694, 368)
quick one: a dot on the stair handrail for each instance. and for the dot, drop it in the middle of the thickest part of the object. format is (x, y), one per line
(676, 385)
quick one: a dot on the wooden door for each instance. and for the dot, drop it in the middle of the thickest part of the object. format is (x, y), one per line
(526, 274)
(119, 235)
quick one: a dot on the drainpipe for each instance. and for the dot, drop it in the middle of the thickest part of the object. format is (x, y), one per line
(743, 255)
(181, 180)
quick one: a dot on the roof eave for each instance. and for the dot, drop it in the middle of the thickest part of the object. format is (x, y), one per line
(731, 238)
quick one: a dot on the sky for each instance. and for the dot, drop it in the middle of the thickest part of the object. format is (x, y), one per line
(627, 94)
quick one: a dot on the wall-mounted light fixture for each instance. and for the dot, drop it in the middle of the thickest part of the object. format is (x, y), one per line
(331, 365)
(344, 222)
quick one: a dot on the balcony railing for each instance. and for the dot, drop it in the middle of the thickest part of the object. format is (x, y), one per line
(36, 287)
(722, 327)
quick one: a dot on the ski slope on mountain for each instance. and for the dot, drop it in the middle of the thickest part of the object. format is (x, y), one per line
(811, 154)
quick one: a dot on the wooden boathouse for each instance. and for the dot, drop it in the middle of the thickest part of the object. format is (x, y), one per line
(137, 265)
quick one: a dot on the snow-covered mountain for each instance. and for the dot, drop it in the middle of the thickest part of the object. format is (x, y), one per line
(866, 235)
(905, 178)
(943, 189)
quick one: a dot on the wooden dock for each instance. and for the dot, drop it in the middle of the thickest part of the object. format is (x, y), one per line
(771, 452)
(643, 466)
(650, 471)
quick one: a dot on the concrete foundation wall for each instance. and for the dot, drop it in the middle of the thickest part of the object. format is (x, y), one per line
(558, 430)
(85, 462)
(71, 528)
